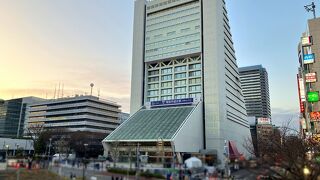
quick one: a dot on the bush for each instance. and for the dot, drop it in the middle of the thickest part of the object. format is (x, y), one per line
(150, 175)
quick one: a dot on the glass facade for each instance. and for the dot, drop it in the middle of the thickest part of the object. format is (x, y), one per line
(10, 115)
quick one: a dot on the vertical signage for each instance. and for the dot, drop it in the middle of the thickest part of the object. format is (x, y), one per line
(300, 92)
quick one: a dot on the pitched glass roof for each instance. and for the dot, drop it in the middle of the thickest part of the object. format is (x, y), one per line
(151, 124)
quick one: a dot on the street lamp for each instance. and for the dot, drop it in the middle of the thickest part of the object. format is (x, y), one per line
(306, 171)
(7, 149)
(83, 160)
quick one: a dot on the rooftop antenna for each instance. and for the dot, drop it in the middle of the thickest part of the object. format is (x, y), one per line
(58, 91)
(99, 93)
(311, 7)
(62, 91)
(55, 90)
(91, 85)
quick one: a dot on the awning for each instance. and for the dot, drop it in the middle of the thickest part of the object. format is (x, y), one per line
(233, 151)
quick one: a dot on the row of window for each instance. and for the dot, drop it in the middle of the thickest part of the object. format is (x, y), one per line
(179, 96)
(174, 25)
(176, 69)
(176, 90)
(172, 46)
(174, 53)
(182, 10)
(176, 83)
(175, 39)
(176, 76)
(172, 21)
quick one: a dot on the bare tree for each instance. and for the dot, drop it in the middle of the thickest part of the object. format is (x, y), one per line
(36, 133)
(286, 152)
(115, 152)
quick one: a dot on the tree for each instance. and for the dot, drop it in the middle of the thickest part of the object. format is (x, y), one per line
(286, 152)
(38, 135)
(114, 152)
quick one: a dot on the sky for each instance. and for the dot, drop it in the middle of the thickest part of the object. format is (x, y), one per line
(78, 42)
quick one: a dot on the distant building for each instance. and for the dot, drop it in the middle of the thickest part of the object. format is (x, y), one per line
(123, 117)
(12, 146)
(13, 116)
(255, 88)
(80, 113)
(308, 78)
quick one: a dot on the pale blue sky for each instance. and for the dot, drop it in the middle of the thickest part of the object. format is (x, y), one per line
(81, 41)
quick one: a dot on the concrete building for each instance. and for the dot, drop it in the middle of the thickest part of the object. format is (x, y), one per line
(308, 74)
(185, 87)
(80, 113)
(255, 88)
(13, 116)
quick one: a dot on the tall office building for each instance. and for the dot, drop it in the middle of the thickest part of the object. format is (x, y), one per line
(185, 87)
(79, 113)
(308, 83)
(13, 116)
(255, 88)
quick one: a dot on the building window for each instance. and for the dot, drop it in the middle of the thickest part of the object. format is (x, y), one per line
(152, 73)
(180, 90)
(180, 75)
(166, 71)
(153, 86)
(195, 95)
(166, 78)
(166, 97)
(195, 88)
(180, 96)
(166, 91)
(166, 84)
(195, 81)
(194, 66)
(194, 73)
(153, 79)
(180, 68)
(180, 83)
(153, 93)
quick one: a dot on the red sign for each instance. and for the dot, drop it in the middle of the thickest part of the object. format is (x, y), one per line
(314, 116)
(311, 77)
(300, 98)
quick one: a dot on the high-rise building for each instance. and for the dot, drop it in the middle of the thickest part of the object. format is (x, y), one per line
(255, 88)
(13, 116)
(185, 87)
(308, 82)
(79, 113)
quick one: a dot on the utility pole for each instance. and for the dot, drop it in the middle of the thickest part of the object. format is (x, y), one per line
(311, 7)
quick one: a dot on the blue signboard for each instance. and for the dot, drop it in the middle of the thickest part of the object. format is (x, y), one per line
(308, 58)
(173, 102)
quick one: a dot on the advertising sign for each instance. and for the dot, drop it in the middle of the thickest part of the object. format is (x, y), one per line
(313, 96)
(301, 90)
(264, 121)
(314, 116)
(308, 58)
(173, 102)
(311, 77)
(303, 123)
(306, 41)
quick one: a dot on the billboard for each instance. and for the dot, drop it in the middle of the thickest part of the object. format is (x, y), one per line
(311, 77)
(306, 41)
(308, 58)
(313, 96)
(173, 102)
(301, 90)
(314, 116)
(264, 121)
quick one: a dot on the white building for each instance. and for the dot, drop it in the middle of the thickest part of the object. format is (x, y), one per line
(80, 113)
(183, 54)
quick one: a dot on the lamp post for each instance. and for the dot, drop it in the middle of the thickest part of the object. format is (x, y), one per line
(7, 148)
(83, 161)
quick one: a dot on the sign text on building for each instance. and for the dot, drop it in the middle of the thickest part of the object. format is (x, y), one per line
(311, 77)
(308, 58)
(173, 102)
